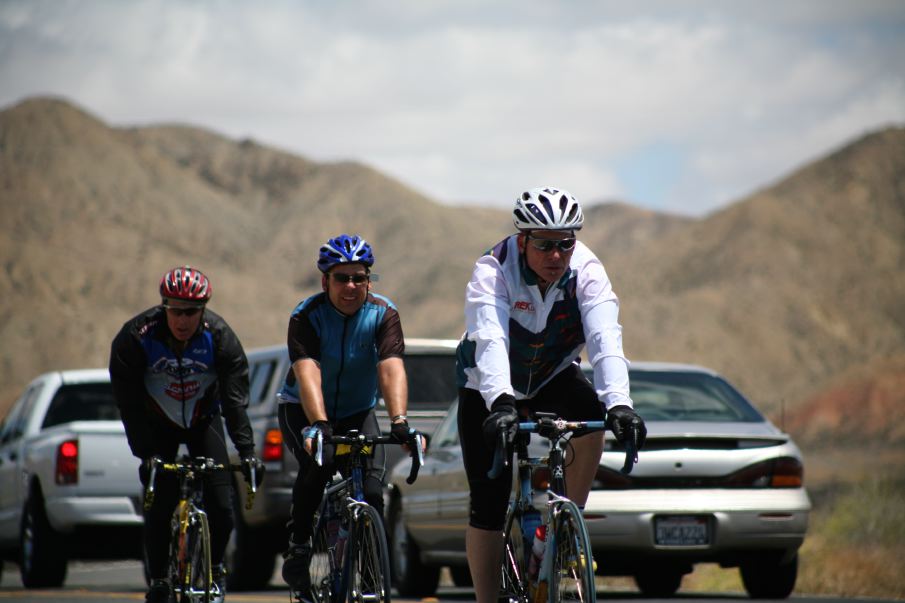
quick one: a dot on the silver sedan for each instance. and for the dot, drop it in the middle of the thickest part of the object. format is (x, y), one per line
(715, 482)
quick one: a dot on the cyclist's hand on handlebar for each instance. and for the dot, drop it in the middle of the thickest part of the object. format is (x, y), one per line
(503, 418)
(249, 462)
(405, 435)
(310, 433)
(623, 420)
(144, 470)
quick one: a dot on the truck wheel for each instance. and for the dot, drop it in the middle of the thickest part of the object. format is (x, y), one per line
(249, 560)
(411, 577)
(42, 561)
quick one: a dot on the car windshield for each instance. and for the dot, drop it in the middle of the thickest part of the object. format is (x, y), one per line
(688, 396)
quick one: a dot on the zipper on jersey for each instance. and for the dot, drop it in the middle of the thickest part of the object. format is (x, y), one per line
(342, 364)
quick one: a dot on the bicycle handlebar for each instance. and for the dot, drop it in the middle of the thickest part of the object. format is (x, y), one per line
(555, 428)
(362, 439)
(200, 465)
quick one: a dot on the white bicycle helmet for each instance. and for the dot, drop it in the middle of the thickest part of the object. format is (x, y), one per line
(547, 208)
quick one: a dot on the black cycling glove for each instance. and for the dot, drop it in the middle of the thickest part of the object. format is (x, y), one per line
(247, 463)
(503, 418)
(621, 420)
(323, 427)
(402, 433)
(326, 431)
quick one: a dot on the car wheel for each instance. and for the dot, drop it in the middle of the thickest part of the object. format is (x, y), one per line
(411, 577)
(42, 562)
(461, 576)
(659, 582)
(249, 561)
(770, 577)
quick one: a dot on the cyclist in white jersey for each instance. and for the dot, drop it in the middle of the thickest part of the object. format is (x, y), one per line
(533, 302)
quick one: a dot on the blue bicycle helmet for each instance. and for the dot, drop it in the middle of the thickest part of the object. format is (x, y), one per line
(345, 249)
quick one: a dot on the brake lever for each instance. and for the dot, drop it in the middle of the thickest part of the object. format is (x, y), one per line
(500, 456)
(319, 448)
(631, 451)
(417, 460)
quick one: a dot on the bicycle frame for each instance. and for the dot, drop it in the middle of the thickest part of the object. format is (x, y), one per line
(334, 573)
(562, 521)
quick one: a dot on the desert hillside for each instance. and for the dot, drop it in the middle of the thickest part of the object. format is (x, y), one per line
(784, 291)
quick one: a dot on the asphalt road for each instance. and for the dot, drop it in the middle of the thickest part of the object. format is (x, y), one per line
(122, 582)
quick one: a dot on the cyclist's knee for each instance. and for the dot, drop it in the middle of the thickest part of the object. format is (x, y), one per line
(488, 515)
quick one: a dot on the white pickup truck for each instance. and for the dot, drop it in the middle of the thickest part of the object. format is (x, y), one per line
(69, 484)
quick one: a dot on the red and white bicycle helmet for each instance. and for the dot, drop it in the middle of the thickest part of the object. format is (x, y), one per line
(186, 284)
(547, 208)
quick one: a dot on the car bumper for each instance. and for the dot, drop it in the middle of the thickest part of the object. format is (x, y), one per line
(738, 520)
(67, 513)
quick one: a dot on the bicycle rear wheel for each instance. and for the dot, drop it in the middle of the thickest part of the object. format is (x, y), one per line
(572, 569)
(369, 558)
(513, 582)
(196, 579)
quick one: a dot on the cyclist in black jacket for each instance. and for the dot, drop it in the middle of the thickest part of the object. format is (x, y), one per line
(175, 369)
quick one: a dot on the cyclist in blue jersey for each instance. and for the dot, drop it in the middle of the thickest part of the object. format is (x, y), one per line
(176, 369)
(532, 304)
(343, 343)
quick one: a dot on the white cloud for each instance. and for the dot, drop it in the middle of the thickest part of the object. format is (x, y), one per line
(473, 102)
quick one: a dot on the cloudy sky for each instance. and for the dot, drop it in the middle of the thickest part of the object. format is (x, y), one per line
(677, 106)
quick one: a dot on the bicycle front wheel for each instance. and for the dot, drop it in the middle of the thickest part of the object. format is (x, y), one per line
(369, 558)
(571, 575)
(513, 581)
(196, 579)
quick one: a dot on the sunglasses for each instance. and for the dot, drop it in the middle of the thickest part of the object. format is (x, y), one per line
(183, 311)
(356, 279)
(546, 245)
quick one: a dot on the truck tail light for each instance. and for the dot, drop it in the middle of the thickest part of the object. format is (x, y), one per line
(67, 469)
(273, 445)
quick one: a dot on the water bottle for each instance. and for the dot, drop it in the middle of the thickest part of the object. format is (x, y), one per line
(537, 551)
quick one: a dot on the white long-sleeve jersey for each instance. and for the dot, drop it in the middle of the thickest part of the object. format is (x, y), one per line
(517, 340)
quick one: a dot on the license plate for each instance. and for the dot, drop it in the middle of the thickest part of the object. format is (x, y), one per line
(681, 530)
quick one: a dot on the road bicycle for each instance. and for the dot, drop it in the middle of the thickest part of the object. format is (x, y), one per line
(547, 555)
(350, 558)
(189, 567)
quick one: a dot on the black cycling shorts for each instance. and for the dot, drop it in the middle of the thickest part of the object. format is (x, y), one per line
(569, 394)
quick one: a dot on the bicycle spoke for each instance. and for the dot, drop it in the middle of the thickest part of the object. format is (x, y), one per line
(572, 572)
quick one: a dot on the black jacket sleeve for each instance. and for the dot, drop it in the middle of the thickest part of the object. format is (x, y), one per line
(127, 366)
(232, 375)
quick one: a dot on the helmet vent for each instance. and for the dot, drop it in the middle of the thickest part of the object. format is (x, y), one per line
(537, 213)
(572, 213)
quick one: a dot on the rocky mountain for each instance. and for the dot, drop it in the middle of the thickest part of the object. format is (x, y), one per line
(783, 291)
